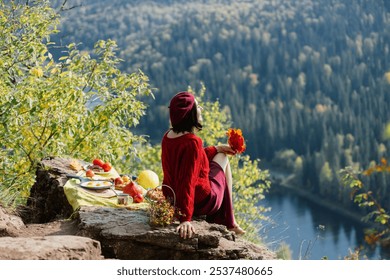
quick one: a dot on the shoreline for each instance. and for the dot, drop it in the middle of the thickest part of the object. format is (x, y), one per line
(326, 204)
(281, 177)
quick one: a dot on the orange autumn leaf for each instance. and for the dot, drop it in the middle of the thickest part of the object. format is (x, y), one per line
(379, 168)
(236, 140)
(367, 172)
(371, 239)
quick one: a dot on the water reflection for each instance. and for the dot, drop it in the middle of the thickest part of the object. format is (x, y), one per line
(312, 231)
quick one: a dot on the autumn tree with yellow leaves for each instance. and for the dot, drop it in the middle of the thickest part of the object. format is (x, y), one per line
(80, 106)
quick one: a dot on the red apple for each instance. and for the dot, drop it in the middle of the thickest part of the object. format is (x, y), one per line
(118, 181)
(89, 173)
(106, 166)
(98, 162)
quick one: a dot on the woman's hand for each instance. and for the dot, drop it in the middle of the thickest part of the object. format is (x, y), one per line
(226, 149)
(186, 229)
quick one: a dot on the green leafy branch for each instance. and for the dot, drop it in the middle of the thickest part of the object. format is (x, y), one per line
(365, 199)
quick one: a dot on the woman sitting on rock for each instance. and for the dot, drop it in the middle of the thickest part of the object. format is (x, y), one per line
(200, 177)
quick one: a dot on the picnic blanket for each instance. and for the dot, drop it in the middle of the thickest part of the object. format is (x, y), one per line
(78, 196)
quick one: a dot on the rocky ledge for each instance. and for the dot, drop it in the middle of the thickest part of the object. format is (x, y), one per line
(103, 232)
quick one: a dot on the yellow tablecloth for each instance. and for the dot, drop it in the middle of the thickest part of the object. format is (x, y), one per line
(77, 196)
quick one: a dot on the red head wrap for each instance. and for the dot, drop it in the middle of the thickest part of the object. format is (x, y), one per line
(181, 104)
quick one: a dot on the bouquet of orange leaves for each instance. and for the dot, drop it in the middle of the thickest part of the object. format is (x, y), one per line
(236, 140)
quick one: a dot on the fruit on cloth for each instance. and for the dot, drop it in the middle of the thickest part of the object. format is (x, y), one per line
(107, 166)
(148, 179)
(119, 184)
(133, 189)
(118, 181)
(126, 179)
(138, 198)
(89, 173)
(98, 162)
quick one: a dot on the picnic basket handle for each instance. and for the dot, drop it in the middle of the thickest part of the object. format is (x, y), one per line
(174, 195)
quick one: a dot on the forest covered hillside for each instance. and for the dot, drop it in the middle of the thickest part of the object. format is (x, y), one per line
(308, 81)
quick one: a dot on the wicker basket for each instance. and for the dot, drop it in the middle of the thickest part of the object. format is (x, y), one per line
(162, 212)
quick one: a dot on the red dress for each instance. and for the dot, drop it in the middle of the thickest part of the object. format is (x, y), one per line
(198, 182)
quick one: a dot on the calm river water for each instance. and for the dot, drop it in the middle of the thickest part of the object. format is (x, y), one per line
(312, 232)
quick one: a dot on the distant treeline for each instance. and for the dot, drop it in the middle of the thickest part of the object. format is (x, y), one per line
(308, 82)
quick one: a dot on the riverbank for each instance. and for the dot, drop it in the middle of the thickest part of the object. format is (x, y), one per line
(283, 186)
(326, 204)
(283, 179)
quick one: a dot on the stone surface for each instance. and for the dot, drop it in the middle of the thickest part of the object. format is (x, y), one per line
(47, 201)
(9, 224)
(127, 234)
(63, 247)
(119, 233)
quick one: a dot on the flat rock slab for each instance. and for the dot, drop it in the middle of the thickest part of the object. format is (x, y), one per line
(119, 233)
(126, 234)
(63, 247)
(9, 224)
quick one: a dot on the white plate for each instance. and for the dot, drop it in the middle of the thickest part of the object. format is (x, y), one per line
(96, 185)
(86, 167)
